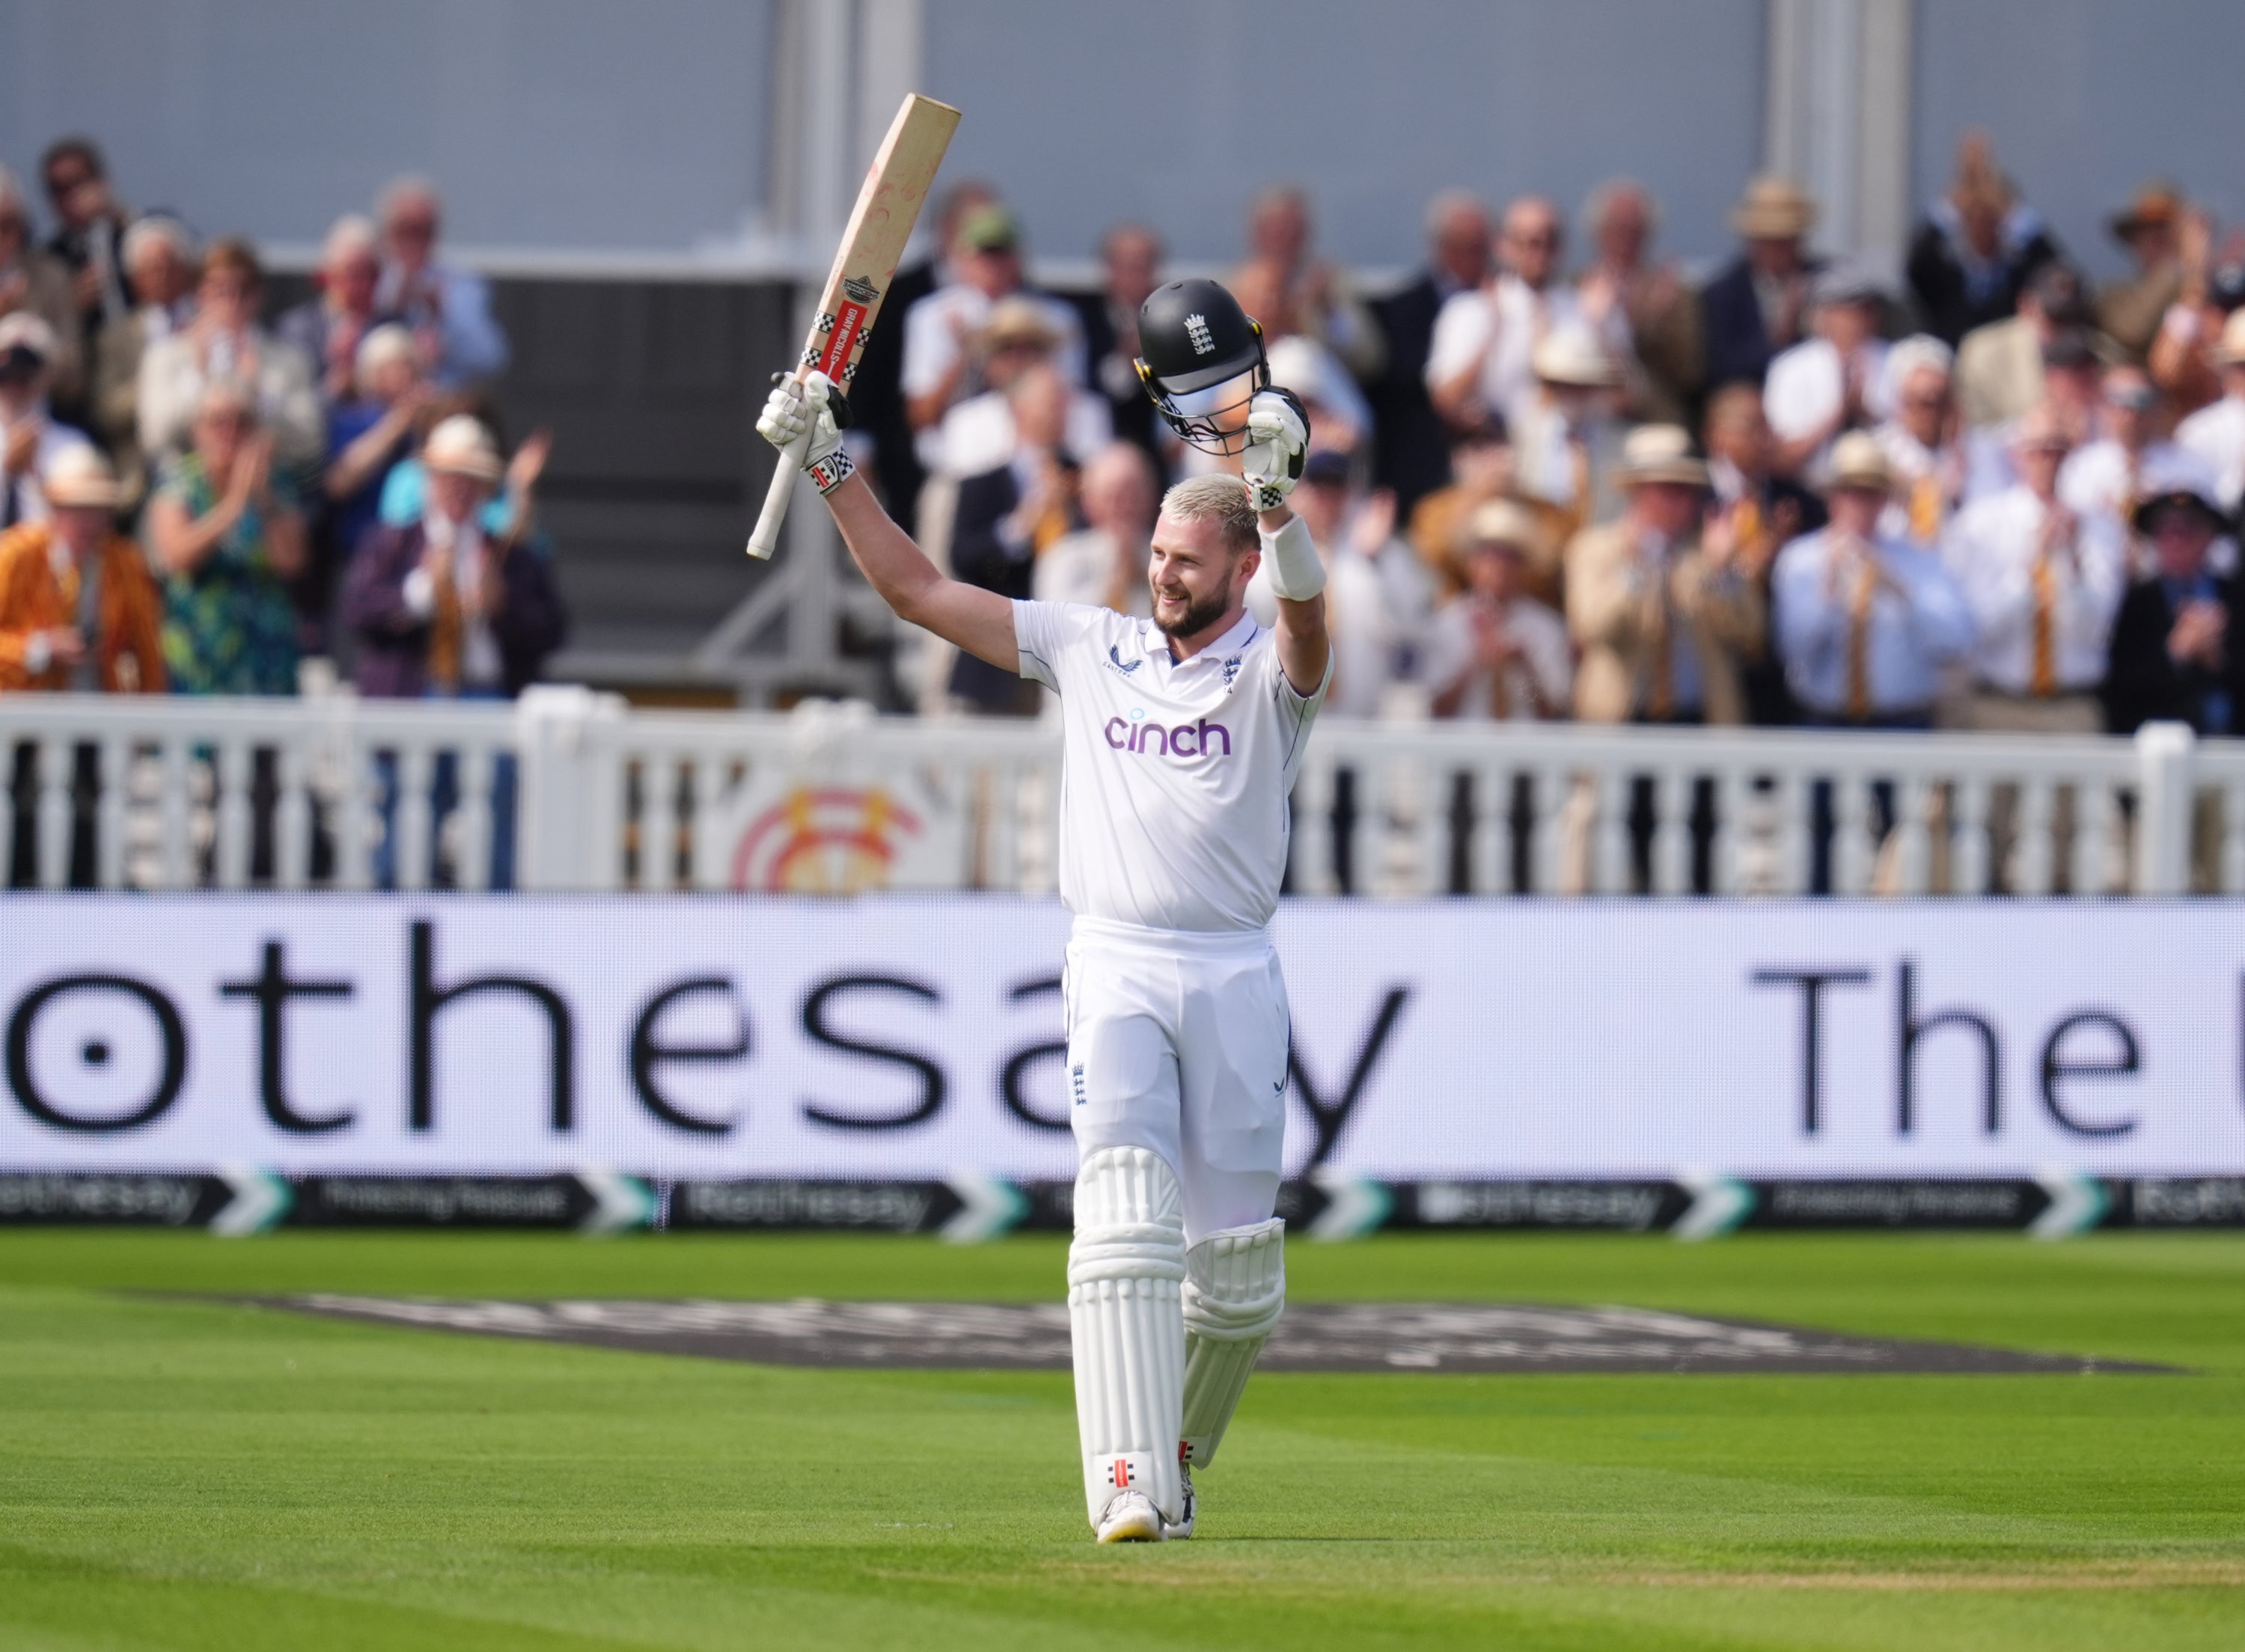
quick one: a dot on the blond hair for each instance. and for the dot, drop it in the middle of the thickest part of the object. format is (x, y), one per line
(1221, 497)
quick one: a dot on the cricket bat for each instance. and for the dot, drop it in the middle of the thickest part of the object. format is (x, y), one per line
(880, 224)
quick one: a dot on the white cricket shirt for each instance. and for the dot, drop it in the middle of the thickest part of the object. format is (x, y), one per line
(1174, 776)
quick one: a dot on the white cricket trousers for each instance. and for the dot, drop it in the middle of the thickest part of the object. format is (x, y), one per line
(1177, 1043)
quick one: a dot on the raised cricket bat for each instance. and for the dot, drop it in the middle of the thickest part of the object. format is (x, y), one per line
(880, 224)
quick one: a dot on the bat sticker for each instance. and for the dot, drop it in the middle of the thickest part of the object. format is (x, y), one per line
(861, 289)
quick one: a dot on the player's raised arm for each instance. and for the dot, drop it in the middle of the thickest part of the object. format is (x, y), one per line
(1278, 439)
(979, 621)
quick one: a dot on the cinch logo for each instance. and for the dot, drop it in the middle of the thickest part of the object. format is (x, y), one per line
(1152, 739)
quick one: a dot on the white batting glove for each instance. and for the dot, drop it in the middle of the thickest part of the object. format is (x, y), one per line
(807, 404)
(1278, 439)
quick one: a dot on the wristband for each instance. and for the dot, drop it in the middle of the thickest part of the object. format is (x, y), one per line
(1291, 556)
(832, 471)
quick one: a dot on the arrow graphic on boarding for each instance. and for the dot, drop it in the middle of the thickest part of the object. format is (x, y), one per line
(1718, 1204)
(620, 1202)
(989, 1207)
(2076, 1204)
(1354, 1205)
(259, 1200)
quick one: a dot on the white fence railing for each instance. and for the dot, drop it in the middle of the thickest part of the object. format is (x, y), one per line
(567, 789)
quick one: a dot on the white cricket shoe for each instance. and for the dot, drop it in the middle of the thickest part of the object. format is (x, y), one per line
(1184, 1527)
(1130, 1517)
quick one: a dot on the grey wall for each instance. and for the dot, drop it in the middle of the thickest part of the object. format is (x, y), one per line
(577, 124)
(1174, 110)
(2085, 99)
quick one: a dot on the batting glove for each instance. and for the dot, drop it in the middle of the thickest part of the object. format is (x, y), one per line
(1277, 440)
(810, 404)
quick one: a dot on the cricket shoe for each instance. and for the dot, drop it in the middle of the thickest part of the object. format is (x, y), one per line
(1183, 1527)
(1130, 1517)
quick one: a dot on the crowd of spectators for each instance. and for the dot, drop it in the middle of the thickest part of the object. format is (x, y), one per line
(1550, 485)
(199, 495)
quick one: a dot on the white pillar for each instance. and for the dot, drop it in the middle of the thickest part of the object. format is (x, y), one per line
(1836, 118)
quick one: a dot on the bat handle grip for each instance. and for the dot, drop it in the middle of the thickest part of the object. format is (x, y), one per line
(765, 539)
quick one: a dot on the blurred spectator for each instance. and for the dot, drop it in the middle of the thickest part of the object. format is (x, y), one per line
(1485, 339)
(1409, 433)
(940, 329)
(369, 434)
(1306, 294)
(160, 267)
(1867, 625)
(225, 532)
(1834, 382)
(1006, 518)
(447, 307)
(2129, 311)
(2171, 657)
(225, 344)
(2184, 359)
(1480, 470)
(31, 436)
(1758, 305)
(33, 281)
(1493, 650)
(1103, 563)
(328, 326)
(1999, 366)
(1976, 247)
(1351, 531)
(977, 434)
(441, 608)
(77, 609)
(2042, 582)
(1340, 416)
(1922, 441)
(1565, 440)
(90, 226)
(2216, 434)
(1663, 624)
(1656, 309)
(1758, 513)
(2105, 476)
(1130, 263)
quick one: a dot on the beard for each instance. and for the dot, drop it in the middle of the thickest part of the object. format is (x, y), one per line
(1198, 616)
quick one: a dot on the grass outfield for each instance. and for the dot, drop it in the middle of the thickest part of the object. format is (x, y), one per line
(193, 1476)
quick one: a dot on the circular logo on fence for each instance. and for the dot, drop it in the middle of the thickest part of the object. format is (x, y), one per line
(824, 841)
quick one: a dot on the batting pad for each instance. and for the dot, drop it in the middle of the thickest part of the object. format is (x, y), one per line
(1127, 1326)
(1235, 1289)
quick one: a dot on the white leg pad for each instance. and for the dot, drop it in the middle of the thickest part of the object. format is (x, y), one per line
(1126, 1322)
(1235, 1289)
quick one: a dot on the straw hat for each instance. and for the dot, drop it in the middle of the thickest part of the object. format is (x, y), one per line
(79, 476)
(2157, 204)
(2230, 352)
(1572, 356)
(1656, 453)
(2039, 431)
(22, 330)
(1859, 462)
(2177, 477)
(1507, 523)
(1016, 321)
(460, 446)
(1774, 209)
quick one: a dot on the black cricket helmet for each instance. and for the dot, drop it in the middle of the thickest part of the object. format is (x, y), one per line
(1195, 340)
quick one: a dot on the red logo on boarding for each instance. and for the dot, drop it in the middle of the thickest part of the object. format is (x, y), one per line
(847, 319)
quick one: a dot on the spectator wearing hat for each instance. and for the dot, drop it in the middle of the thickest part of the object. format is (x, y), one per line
(1341, 417)
(2185, 357)
(330, 326)
(2104, 477)
(1102, 565)
(31, 436)
(1832, 381)
(1131, 267)
(977, 434)
(1663, 623)
(34, 281)
(2130, 310)
(447, 307)
(225, 532)
(1922, 439)
(1652, 308)
(1481, 359)
(2172, 658)
(1758, 305)
(1302, 293)
(2042, 581)
(1867, 624)
(160, 270)
(1976, 247)
(90, 227)
(940, 330)
(1999, 365)
(2216, 434)
(224, 342)
(1492, 651)
(1480, 469)
(1566, 439)
(77, 608)
(1409, 434)
(1372, 633)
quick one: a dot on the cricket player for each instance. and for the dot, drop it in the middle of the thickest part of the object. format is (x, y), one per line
(1182, 737)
